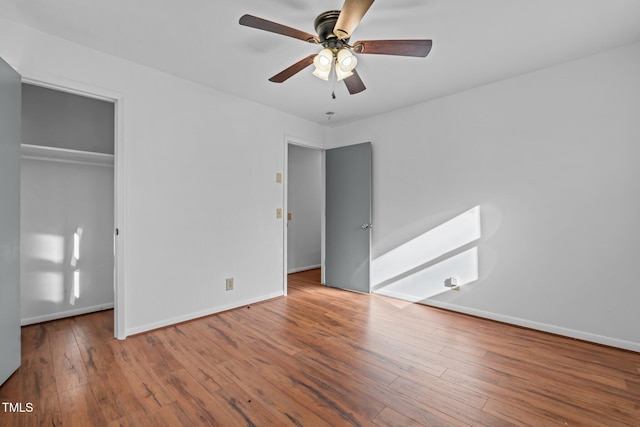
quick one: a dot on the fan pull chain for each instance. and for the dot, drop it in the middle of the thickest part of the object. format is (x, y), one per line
(335, 79)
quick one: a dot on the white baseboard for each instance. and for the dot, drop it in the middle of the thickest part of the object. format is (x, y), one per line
(198, 314)
(63, 314)
(558, 330)
(299, 269)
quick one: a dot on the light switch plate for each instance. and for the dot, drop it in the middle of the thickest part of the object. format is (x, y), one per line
(279, 178)
(279, 213)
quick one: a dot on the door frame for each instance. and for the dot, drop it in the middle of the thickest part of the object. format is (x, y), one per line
(291, 140)
(119, 173)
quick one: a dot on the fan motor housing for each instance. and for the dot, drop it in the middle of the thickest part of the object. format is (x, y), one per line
(324, 25)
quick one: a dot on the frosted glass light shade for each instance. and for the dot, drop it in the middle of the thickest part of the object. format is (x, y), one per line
(342, 74)
(324, 75)
(346, 61)
(323, 62)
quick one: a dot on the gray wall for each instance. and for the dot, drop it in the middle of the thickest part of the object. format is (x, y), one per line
(551, 159)
(304, 204)
(58, 119)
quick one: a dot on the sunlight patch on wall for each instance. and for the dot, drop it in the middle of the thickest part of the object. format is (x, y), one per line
(77, 236)
(47, 285)
(49, 276)
(44, 247)
(76, 246)
(45, 253)
(76, 288)
(428, 282)
(445, 238)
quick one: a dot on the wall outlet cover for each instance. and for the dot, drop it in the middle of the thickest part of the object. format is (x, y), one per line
(451, 282)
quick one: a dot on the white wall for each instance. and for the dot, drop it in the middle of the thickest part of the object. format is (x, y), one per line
(304, 204)
(58, 200)
(200, 192)
(551, 158)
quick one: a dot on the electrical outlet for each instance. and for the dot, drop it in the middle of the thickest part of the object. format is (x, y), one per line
(451, 282)
(229, 283)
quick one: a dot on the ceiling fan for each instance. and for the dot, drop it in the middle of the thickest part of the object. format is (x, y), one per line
(334, 30)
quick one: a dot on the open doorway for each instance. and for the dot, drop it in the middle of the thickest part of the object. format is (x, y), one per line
(337, 182)
(68, 204)
(304, 203)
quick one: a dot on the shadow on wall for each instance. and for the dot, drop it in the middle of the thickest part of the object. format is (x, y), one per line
(417, 269)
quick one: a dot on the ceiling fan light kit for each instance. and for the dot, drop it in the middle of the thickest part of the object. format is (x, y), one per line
(334, 30)
(343, 62)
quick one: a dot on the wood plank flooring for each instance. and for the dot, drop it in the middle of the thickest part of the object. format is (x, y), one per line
(319, 357)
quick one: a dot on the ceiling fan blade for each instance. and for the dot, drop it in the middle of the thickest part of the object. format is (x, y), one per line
(350, 16)
(294, 69)
(354, 83)
(419, 48)
(274, 27)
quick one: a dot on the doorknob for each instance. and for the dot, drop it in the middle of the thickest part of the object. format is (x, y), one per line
(367, 226)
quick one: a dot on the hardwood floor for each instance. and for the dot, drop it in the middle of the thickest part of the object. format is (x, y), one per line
(319, 357)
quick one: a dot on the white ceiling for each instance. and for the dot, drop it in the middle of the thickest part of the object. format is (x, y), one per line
(474, 43)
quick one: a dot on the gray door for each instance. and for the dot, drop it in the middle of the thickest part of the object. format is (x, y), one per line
(10, 112)
(348, 217)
